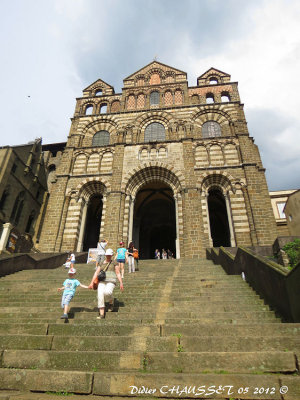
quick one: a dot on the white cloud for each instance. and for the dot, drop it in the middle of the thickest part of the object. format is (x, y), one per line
(54, 49)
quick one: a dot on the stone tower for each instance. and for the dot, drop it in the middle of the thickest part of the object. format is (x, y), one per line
(163, 164)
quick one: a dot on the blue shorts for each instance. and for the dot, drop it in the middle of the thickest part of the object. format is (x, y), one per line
(121, 260)
(66, 298)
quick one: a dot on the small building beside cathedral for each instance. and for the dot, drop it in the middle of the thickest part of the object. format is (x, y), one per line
(23, 186)
(162, 163)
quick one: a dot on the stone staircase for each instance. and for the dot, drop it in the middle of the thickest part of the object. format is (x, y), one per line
(180, 329)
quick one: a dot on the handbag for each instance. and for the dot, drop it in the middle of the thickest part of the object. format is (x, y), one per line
(102, 274)
(135, 254)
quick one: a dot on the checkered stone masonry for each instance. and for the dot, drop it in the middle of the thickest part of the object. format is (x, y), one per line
(188, 163)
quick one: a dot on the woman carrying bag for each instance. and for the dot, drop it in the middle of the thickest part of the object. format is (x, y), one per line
(107, 283)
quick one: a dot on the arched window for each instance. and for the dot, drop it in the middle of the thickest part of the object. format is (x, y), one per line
(178, 97)
(30, 221)
(103, 108)
(89, 109)
(210, 98)
(213, 80)
(17, 208)
(98, 92)
(140, 102)
(101, 138)
(168, 97)
(211, 129)
(4, 197)
(154, 98)
(225, 98)
(155, 132)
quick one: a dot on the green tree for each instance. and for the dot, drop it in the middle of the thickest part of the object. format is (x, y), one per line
(292, 249)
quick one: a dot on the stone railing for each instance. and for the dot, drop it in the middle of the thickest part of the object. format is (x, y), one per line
(18, 262)
(277, 285)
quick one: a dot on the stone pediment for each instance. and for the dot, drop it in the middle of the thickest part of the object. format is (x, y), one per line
(98, 85)
(162, 70)
(213, 72)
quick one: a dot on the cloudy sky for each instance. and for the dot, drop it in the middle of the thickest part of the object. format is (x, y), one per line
(52, 49)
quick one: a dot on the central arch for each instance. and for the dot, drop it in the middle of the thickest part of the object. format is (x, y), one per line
(153, 209)
(154, 220)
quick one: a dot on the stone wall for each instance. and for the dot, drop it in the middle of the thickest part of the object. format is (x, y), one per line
(193, 159)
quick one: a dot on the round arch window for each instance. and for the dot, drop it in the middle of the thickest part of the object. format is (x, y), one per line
(101, 138)
(154, 98)
(211, 129)
(155, 132)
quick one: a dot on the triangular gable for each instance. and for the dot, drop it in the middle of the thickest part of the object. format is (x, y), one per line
(99, 84)
(155, 65)
(212, 71)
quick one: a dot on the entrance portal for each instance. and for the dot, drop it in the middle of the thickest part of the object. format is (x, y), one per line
(93, 221)
(218, 219)
(154, 222)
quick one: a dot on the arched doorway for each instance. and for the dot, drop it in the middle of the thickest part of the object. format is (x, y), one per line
(154, 221)
(93, 222)
(218, 218)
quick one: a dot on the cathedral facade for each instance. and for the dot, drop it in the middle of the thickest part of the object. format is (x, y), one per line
(163, 164)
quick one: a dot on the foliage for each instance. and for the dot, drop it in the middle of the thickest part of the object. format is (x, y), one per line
(292, 249)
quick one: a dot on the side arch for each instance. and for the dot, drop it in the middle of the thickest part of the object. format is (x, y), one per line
(76, 219)
(232, 190)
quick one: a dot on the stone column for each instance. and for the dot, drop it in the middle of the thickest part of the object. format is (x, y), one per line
(208, 223)
(131, 210)
(82, 226)
(5, 235)
(102, 223)
(229, 216)
(177, 228)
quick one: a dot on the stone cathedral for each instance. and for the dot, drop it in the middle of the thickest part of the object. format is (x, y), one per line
(164, 164)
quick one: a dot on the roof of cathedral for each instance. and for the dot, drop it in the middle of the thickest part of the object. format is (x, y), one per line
(155, 65)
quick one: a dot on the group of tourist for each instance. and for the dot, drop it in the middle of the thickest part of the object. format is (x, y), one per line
(164, 254)
(105, 285)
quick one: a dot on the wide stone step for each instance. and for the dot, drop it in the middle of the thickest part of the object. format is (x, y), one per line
(265, 329)
(175, 343)
(146, 320)
(192, 304)
(104, 327)
(186, 362)
(187, 316)
(180, 385)
(125, 312)
(145, 293)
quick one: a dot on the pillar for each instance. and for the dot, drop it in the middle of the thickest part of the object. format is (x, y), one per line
(5, 235)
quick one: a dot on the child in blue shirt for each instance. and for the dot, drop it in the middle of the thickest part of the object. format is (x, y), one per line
(69, 288)
(121, 257)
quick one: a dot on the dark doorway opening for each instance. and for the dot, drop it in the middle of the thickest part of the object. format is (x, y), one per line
(218, 218)
(93, 221)
(154, 222)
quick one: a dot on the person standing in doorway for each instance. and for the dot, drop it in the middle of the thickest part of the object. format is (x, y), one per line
(121, 257)
(130, 257)
(170, 254)
(101, 251)
(157, 254)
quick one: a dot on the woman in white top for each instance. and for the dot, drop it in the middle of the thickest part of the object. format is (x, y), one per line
(101, 251)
